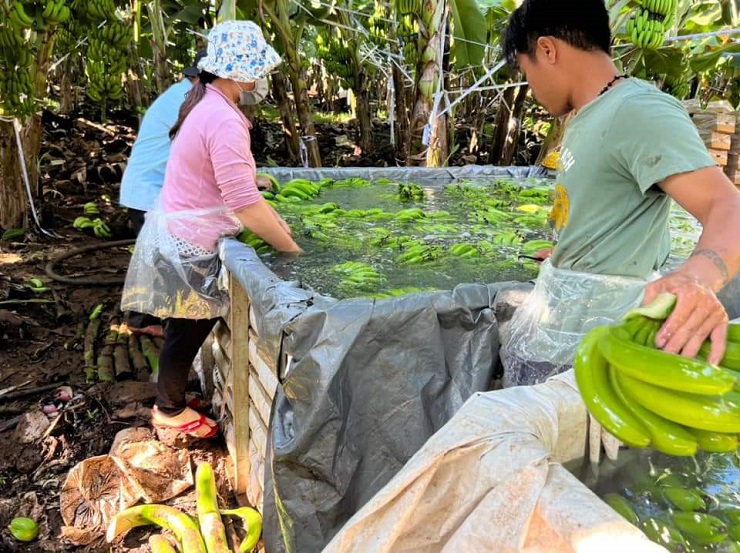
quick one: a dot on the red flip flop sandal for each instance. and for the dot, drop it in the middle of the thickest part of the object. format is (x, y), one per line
(191, 427)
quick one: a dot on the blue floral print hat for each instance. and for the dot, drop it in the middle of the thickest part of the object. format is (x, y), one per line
(237, 50)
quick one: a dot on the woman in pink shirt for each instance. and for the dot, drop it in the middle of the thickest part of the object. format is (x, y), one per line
(209, 192)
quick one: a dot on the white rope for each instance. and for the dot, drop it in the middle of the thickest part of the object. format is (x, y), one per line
(391, 106)
(474, 86)
(702, 35)
(494, 87)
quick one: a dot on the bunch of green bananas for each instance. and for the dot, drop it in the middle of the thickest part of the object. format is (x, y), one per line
(677, 86)
(55, 12)
(336, 56)
(688, 526)
(507, 239)
(411, 214)
(464, 250)
(100, 9)
(408, 7)
(249, 238)
(10, 40)
(666, 8)
(104, 76)
(647, 397)
(17, 91)
(98, 226)
(37, 286)
(417, 253)
(115, 33)
(302, 189)
(18, 16)
(356, 274)
(646, 30)
(91, 208)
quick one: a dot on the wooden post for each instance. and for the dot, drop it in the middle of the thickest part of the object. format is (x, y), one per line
(239, 355)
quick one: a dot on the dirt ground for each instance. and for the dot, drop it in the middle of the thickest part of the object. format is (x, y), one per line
(54, 410)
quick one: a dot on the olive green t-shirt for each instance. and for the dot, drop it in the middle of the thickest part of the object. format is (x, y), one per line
(609, 216)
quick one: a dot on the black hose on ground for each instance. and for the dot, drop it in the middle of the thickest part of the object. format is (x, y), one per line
(87, 281)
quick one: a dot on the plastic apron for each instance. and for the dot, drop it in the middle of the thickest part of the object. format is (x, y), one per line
(545, 330)
(171, 276)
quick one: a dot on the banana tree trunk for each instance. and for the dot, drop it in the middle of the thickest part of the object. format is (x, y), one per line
(13, 202)
(363, 110)
(501, 126)
(275, 16)
(511, 143)
(297, 79)
(428, 73)
(13, 196)
(401, 128)
(290, 132)
(159, 46)
(66, 86)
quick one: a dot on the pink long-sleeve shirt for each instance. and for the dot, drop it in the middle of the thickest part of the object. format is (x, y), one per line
(210, 166)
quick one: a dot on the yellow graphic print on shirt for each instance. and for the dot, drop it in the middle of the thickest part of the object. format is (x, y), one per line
(560, 211)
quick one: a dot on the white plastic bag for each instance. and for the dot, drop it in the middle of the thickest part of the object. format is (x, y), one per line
(173, 271)
(546, 329)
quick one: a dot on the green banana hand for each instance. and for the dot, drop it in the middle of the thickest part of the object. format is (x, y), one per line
(666, 436)
(715, 442)
(622, 506)
(701, 527)
(685, 500)
(664, 534)
(592, 377)
(715, 413)
(663, 369)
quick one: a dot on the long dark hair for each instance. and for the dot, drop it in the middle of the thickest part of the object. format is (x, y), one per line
(192, 98)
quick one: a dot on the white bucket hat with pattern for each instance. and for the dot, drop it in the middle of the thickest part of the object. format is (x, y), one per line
(237, 50)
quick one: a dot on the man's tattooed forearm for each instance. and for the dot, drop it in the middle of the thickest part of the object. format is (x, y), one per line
(715, 258)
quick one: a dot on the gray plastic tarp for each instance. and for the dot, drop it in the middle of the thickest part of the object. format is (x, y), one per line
(370, 381)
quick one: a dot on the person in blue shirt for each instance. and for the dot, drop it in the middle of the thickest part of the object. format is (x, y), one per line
(144, 175)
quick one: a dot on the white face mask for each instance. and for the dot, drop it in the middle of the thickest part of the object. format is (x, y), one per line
(256, 95)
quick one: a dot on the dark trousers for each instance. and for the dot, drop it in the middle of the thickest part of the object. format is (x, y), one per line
(139, 320)
(182, 340)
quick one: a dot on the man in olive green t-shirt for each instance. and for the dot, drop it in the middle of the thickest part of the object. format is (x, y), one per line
(628, 150)
(610, 215)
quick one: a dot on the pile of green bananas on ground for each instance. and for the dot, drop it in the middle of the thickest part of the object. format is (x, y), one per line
(98, 226)
(650, 398)
(690, 520)
(648, 26)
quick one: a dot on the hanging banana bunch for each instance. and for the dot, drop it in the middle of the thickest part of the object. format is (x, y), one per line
(17, 91)
(648, 26)
(408, 34)
(106, 60)
(336, 56)
(678, 86)
(38, 15)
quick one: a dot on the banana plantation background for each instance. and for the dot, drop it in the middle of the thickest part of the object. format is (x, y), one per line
(427, 73)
